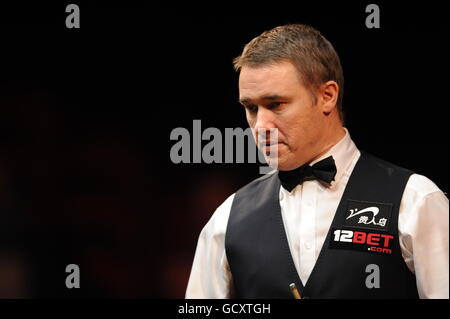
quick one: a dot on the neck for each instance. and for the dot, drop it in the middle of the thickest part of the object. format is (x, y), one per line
(333, 136)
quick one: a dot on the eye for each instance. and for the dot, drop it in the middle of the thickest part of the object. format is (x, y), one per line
(251, 108)
(274, 105)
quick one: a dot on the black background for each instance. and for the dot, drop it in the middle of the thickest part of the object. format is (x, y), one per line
(86, 115)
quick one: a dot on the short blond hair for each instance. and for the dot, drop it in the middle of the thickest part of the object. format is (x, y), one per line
(310, 52)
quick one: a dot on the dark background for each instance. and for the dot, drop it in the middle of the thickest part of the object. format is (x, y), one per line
(86, 115)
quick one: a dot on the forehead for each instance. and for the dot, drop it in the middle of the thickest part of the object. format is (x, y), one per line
(273, 79)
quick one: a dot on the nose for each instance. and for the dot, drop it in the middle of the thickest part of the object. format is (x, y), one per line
(264, 124)
(264, 119)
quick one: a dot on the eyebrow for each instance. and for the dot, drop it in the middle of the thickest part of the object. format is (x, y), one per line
(264, 98)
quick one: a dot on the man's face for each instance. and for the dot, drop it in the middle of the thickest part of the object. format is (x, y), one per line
(274, 97)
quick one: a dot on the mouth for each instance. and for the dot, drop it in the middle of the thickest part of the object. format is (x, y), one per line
(270, 143)
(270, 148)
(266, 145)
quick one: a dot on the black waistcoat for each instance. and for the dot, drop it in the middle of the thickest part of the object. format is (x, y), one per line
(364, 232)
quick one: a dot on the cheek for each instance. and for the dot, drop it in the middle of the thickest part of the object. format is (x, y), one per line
(299, 133)
(250, 120)
(295, 134)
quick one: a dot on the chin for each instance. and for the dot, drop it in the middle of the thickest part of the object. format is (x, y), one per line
(288, 163)
(284, 165)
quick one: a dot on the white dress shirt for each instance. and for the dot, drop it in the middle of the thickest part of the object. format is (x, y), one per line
(307, 213)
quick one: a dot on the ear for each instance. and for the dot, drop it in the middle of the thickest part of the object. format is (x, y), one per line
(328, 95)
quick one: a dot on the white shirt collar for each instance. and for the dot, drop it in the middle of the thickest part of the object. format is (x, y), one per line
(343, 153)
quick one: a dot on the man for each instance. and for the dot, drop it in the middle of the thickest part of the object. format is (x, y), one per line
(334, 221)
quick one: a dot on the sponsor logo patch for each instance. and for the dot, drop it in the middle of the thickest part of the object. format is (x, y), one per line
(361, 240)
(368, 215)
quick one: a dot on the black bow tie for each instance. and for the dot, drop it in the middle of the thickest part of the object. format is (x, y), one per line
(324, 170)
